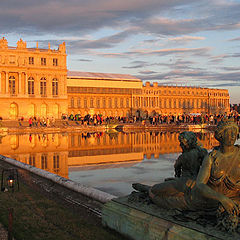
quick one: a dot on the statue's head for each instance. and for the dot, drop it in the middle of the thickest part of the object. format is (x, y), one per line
(188, 140)
(226, 131)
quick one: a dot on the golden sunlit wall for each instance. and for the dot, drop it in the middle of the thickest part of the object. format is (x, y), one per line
(101, 93)
(178, 100)
(32, 81)
(109, 97)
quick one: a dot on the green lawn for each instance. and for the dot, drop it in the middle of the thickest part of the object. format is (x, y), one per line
(37, 217)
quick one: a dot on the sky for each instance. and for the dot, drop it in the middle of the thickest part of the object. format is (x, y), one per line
(173, 42)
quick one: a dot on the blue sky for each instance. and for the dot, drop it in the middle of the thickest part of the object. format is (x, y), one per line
(174, 42)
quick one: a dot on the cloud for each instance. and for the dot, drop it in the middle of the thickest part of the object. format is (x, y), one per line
(147, 72)
(51, 16)
(199, 52)
(185, 39)
(72, 15)
(235, 39)
(201, 77)
(84, 60)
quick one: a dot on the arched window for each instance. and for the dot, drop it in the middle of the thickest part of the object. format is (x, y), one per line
(43, 87)
(55, 87)
(30, 86)
(12, 85)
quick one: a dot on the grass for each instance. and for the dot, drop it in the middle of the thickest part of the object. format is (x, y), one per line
(37, 217)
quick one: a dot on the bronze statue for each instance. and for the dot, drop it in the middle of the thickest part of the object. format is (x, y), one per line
(170, 194)
(216, 189)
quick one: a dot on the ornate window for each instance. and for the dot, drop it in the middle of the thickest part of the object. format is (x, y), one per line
(55, 62)
(12, 85)
(31, 60)
(30, 86)
(55, 87)
(43, 87)
(43, 61)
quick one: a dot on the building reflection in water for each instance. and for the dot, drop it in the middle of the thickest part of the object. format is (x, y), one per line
(57, 152)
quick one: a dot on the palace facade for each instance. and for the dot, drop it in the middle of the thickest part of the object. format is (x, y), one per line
(35, 82)
(32, 81)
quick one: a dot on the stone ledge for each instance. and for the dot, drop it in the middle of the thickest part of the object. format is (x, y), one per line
(139, 224)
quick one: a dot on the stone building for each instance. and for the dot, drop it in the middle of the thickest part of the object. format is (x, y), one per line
(32, 81)
(124, 95)
(35, 82)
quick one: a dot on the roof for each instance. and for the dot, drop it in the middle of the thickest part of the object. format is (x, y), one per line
(102, 76)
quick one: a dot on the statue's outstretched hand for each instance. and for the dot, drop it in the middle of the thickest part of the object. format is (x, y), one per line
(230, 206)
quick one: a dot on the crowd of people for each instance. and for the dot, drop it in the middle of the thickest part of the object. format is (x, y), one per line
(98, 119)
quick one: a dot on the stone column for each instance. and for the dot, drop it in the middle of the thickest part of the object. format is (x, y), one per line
(20, 83)
(7, 82)
(26, 84)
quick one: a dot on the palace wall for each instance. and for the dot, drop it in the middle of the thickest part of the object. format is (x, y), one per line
(32, 81)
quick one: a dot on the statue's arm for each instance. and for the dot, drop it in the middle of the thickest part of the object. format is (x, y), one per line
(178, 166)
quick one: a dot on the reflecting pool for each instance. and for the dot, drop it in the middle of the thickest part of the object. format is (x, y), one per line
(110, 161)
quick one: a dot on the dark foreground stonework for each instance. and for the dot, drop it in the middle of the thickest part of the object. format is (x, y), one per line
(146, 221)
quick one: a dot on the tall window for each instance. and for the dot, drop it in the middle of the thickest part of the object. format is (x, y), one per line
(30, 86)
(110, 103)
(44, 161)
(72, 102)
(55, 62)
(55, 161)
(91, 103)
(32, 160)
(31, 60)
(43, 61)
(55, 87)
(85, 103)
(43, 87)
(127, 102)
(116, 102)
(12, 85)
(121, 102)
(98, 103)
(79, 102)
(104, 102)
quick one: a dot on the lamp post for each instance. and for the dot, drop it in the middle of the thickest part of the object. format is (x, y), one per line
(9, 181)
